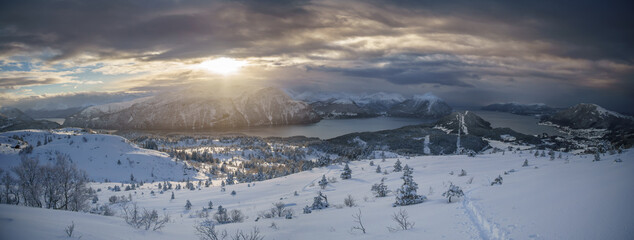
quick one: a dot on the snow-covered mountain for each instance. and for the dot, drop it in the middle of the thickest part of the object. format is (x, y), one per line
(521, 109)
(183, 110)
(341, 108)
(421, 106)
(593, 122)
(14, 119)
(342, 105)
(586, 116)
(102, 156)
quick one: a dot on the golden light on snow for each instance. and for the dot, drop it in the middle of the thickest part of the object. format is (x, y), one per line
(223, 65)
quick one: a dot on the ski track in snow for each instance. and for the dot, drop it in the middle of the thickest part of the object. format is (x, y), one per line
(304, 189)
(488, 229)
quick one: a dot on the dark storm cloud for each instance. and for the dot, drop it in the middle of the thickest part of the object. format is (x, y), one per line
(583, 29)
(13, 82)
(111, 28)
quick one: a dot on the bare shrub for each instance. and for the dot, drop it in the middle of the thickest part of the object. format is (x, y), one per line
(253, 235)
(357, 220)
(142, 218)
(70, 229)
(402, 219)
(349, 201)
(206, 230)
(236, 216)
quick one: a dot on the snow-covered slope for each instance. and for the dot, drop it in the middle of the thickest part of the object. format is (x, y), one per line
(184, 110)
(102, 156)
(567, 198)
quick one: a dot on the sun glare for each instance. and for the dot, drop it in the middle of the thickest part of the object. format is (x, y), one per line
(223, 65)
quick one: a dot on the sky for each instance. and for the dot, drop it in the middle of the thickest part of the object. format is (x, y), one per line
(469, 53)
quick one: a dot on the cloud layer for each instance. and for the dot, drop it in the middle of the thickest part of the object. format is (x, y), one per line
(468, 52)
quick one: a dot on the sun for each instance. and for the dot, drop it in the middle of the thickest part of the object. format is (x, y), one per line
(223, 65)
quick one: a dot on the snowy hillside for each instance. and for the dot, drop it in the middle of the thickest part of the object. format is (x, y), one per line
(547, 199)
(102, 156)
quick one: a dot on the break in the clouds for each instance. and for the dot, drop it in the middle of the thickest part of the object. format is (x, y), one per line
(468, 52)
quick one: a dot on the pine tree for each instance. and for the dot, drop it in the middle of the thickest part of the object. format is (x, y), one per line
(320, 202)
(211, 205)
(323, 182)
(347, 172)
(380, 189)
(406, 195)
(378, 168)
(172, 195)
(453, 191)
(397, 166)
(188, 205)
(525, 163)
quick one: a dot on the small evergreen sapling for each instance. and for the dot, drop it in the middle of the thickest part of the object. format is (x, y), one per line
(397, 166)
(525, 163)
(406, 195)
(188, 205)
(323, 182)
(380, 189)
(347, 172)
(378, 168)
(453, 191)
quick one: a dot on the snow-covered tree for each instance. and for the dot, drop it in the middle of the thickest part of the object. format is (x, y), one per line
(378, 168)
(323, 182)
(525, 163)
(497, 181)
(462, 173)
(210, 205)
(347, 172)
(597, 157)
(320, 202)
(188, 205)
(406, 195)
(380, 189)
(453, 191)
(221, 215)
(172, 195)
(397, 166)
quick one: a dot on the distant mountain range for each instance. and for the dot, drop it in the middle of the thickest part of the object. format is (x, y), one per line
(195, 110)
(521, 109)
(425, 106)
(14, 119)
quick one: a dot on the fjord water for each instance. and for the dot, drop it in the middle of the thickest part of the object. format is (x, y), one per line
(520, 123)
(330, 128)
